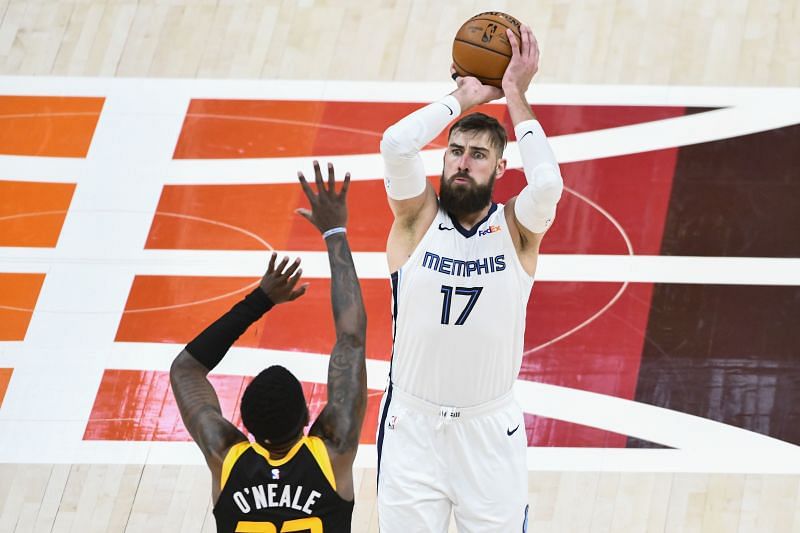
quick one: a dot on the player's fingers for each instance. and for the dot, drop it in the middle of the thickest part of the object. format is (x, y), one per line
(512, 39)
(454, 72)
(271, 265)
(331, 179)
(525, 47)
(533, 48)
(305, 213)
(294, 279)
(318, 177)
(304, 184)
(297, 293)
(282, 265)
(345, 186)
(292, 267)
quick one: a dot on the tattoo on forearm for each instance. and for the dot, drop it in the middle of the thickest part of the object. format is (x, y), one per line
(347, 397)
(199, 407)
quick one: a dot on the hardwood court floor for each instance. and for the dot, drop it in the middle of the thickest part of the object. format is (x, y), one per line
(676, 42)
(99, 498)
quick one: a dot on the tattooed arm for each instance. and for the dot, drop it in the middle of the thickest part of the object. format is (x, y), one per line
(201, 414)
(339, 424)
(197, 399)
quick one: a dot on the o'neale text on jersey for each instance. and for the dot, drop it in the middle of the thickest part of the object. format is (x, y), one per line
(259, 497)
(457, 267)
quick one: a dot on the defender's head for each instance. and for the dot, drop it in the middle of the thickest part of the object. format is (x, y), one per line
(472, 161)
(273, 407)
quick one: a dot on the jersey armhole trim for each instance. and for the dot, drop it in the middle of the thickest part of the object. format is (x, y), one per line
(320, 453)
(516, 253)
(231, 457)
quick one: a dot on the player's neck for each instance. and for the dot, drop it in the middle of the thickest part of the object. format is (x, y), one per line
(280, 451)
(468, 220)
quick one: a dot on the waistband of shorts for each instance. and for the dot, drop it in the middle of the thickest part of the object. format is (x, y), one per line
(449, 412)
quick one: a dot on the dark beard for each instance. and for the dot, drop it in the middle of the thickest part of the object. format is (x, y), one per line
(464, 200)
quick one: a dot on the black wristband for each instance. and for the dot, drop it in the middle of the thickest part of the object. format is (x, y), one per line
(214, 342)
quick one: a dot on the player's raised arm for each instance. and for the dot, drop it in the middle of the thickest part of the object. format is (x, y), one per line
(339, 424)
(405, 178)
(196, 398)
(535, 207)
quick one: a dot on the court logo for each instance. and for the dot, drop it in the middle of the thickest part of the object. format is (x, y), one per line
(489, 33)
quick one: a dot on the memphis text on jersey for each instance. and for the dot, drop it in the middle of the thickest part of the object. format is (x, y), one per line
(458, 267)
(266, 496)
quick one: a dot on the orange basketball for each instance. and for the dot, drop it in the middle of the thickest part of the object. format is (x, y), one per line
(481, 46)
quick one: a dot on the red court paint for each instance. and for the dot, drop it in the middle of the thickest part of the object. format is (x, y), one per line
(139, 405)
(48, 126)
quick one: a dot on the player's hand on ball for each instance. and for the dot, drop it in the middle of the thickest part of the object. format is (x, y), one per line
(472, 92)
(524, 61)
(280, 281)
(328, 208)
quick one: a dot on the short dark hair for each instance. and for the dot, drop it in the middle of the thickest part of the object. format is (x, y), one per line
(273, 406)
(480, 122)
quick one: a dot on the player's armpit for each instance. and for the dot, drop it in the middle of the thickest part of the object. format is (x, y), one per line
(200, 410)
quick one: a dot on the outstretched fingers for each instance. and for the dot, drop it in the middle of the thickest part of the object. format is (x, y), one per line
(297, 293)
(512, 39)
(525, 35)
(345, 186)
(318, 177)
(306, 187)
(331, 179)
(271, 265)
(292, 268)
(282, 265)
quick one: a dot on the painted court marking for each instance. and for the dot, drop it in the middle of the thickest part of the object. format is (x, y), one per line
(100, 251)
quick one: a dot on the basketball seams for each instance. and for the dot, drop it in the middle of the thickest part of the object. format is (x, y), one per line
(481, 47)
(468, 73)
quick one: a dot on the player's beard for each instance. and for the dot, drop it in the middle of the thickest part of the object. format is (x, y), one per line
(460, 200)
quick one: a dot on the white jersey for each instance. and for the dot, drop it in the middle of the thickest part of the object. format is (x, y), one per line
(459, 306)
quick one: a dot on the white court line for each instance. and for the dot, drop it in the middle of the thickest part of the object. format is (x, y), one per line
(539, 459)
(611, 142)
(372, 265)
(751, 115)
(369, 91)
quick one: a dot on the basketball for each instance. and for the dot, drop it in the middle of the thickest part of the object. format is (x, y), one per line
(481, 47)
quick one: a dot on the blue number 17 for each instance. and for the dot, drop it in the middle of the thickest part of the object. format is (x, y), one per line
(447, 291)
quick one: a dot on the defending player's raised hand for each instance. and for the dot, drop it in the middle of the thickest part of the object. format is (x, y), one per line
(472, 92)
(328, 208)
(524, 61)
(280, 281)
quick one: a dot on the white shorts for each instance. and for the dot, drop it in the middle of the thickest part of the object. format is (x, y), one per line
(432, 459)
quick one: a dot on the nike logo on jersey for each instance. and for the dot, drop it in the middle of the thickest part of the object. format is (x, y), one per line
(443, 227)
(512, 431)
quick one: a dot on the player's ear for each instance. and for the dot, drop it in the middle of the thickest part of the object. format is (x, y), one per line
(501, 167)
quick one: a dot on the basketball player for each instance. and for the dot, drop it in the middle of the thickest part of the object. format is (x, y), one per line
(284, 480)
(451, 436)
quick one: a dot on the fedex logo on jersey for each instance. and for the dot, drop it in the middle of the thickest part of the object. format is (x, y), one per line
(490, 229)
(457, 267)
